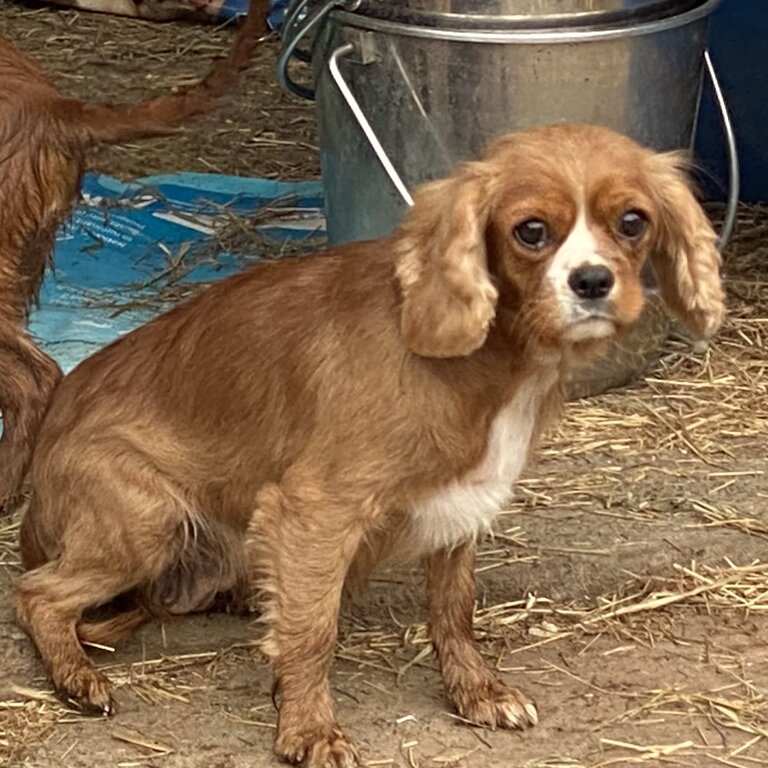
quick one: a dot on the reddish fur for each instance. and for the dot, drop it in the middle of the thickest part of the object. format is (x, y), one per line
(44, 137)
(276, 429)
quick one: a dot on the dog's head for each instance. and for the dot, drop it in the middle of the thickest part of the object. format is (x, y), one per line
(546, 235)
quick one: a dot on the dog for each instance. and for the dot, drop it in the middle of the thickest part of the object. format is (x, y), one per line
(44, 138)
(301, 422)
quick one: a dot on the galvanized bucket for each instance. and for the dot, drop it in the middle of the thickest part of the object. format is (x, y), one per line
(407, 88)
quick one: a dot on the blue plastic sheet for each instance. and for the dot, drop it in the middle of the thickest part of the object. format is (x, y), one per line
(233, 8)
(111, 259)
(278, 13)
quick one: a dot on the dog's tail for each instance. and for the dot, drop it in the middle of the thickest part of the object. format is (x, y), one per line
(111, 631)
(115, 123)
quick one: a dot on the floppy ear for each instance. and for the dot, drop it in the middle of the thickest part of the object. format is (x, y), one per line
(448, 301)
(685, 257)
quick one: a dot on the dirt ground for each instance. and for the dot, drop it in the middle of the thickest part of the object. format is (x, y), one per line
(626, 589)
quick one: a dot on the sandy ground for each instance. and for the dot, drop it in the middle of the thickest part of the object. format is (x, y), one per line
(625, 590)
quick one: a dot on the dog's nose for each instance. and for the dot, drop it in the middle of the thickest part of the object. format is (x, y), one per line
(591, 282)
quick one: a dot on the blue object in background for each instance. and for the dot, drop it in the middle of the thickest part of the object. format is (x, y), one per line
(231, 9)
(112, 259)
(738, 36)
(278, 13)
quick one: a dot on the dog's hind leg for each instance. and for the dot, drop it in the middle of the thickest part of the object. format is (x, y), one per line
(101, 555)
(471, 684)
(49, 603)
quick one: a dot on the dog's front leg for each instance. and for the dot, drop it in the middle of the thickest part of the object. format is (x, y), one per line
(301, 544)
(470, 682)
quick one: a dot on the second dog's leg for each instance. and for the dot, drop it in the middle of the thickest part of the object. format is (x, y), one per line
(302, 544)
(471, 684)
(27, 380)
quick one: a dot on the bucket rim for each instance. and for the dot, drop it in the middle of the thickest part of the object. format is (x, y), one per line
(527, 35)
(578, 14)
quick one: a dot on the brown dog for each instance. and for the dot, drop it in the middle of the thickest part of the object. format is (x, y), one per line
(295, 425)
(44, 137)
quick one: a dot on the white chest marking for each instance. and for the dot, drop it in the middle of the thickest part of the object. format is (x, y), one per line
(467, 506)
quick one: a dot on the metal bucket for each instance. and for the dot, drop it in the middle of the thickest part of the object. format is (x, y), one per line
(405, 89)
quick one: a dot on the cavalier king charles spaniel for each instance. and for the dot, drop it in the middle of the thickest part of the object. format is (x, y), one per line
(295, 425)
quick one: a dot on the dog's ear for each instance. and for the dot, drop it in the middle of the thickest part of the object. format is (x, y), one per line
(448, 300)
(685, 256)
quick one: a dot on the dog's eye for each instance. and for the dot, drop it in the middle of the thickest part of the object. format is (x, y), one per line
(532, 234)
(632, 224)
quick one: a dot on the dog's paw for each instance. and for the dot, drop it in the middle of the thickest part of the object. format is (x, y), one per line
(87, 691)
(497, 706)
(326, 747)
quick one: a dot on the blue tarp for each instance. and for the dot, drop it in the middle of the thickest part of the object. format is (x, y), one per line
(112, 259)
(278, 12)
(232, 8)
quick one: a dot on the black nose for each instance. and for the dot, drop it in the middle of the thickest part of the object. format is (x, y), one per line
(591, 282)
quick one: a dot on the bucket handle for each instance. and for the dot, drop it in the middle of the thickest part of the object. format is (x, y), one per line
(362, 120)
(295, 29)
(293, 15)
(733, 159)
(733, 156)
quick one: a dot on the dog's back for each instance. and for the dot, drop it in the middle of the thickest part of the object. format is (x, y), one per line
(235, 378)
(221, 396)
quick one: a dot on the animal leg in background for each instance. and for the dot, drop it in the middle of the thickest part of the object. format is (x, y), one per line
(44, 137)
